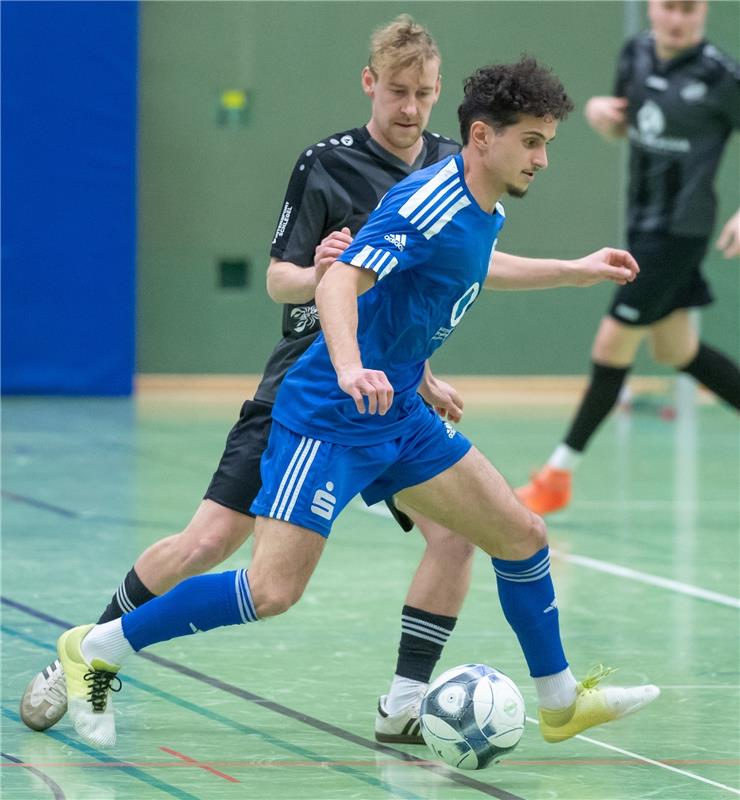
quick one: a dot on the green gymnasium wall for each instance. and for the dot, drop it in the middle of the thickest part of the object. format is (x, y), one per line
(211, 192)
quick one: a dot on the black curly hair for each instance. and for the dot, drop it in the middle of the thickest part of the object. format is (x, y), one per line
(500, 93)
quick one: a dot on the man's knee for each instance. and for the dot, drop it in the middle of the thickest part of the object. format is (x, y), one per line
(668, 354)
(526, 539)
(538, 532)
(270, 599)
(444, 543)
(205, 546)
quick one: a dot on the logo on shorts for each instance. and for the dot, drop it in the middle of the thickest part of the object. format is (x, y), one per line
(450, 430)
(323, 502)
(627, 312)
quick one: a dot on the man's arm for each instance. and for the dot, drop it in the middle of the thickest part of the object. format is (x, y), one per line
(336, 300)
(291, 283)
(729, 240)
(607, 116)
(442, 396)
(514, 273)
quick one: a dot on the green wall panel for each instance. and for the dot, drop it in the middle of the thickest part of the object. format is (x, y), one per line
(210, 192)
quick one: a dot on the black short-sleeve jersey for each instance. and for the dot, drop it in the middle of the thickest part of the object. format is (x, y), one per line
(680, 114)
(335, 183)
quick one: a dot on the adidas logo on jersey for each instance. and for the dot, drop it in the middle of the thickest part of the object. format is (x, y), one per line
(396, 239)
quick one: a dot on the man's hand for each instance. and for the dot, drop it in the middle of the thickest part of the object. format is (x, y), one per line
(442, 397)
(607, 264)
(360, 383)
(329, 250)
(729, 239)
(607, 115)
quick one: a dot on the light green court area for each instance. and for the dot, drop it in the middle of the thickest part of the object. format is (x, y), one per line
(645, 564)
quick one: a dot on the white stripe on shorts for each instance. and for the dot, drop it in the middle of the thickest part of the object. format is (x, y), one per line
(295, 475)
(297, 491)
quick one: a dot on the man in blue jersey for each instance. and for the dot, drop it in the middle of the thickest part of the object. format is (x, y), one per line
(348, 417)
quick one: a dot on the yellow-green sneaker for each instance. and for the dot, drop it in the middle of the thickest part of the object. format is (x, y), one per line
(594, 705)
(88, 685)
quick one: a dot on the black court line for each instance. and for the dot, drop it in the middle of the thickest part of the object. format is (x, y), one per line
(54, 788)
(278, 708)
(88, 517)
(29, 501)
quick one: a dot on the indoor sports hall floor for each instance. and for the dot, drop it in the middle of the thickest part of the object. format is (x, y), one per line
(645, 563)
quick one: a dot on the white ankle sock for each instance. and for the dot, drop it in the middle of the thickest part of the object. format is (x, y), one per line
(565, 457)
(107, 643)
(556, 691)
(404, 692)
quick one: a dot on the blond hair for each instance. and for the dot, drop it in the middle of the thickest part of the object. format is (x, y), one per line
(400, 44)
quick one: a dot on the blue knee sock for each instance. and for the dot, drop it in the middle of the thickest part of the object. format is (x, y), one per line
(527, 598)
(196, 604)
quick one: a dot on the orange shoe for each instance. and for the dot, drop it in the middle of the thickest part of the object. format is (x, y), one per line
(549, 490)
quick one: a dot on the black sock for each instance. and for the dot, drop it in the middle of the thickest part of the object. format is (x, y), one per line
(600, 398)
(717, 372)
(423, 635)
(129, 595)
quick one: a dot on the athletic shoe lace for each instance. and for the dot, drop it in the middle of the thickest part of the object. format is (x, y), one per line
(100, 681)
(595, 675)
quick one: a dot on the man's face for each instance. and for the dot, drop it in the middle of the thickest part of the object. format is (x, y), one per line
(515, 154)
(677, 24)
(401, 103)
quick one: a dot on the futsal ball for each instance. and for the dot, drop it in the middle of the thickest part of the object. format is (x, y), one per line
(471, 715)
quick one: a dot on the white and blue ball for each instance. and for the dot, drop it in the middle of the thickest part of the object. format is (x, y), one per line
(471, 715)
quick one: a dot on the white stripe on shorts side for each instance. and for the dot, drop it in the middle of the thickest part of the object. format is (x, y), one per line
(286, 475)
(293, 477)
(297, 490)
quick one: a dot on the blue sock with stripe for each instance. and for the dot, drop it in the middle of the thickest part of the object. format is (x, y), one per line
(527, 598)
(197, 604)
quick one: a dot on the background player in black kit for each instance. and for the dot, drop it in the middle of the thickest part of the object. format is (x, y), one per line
(677, 99)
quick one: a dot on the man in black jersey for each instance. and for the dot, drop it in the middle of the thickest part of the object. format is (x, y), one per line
(677, 100)
(335, 185)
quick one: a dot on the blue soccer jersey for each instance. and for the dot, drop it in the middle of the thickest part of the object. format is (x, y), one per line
(430, 244)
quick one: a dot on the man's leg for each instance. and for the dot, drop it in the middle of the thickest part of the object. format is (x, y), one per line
(675, 342)
(612, 354)
(220, 526)
(474, 497)
(285, 557)
(428, 617)
(213, 534)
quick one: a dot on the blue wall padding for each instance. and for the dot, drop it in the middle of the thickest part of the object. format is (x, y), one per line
(69, 73)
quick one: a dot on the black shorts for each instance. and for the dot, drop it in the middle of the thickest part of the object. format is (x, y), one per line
(670, 278)
(237, 480)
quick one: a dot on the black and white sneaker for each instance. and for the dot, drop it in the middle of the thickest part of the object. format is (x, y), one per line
(44, 702)
(400, 728)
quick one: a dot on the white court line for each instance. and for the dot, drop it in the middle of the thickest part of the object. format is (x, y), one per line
(681, 687)
(651, 505)
(652, 580)
(612, 569)
(651, 761)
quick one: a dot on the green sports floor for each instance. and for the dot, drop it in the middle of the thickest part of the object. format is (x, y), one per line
(645, 563)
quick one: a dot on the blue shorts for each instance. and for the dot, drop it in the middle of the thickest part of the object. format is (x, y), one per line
(308, 482)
